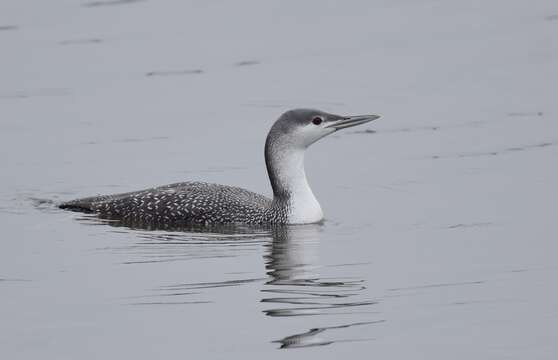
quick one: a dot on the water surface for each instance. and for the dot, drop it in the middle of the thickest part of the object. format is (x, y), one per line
(440, 237)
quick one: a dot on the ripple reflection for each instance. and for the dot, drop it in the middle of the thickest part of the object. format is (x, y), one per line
(159, 243)
(310, 338)
(297, 285)
(297, 289)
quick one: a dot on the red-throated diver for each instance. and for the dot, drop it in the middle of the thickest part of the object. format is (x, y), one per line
(201, 203)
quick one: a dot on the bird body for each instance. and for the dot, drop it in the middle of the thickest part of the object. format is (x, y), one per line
(188, 202)
(202, 203)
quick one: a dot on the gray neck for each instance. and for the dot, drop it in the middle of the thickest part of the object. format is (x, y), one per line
(291, 191)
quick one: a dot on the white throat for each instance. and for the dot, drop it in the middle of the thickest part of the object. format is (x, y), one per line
(288, 168)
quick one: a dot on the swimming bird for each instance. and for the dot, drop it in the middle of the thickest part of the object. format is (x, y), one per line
(202, 203)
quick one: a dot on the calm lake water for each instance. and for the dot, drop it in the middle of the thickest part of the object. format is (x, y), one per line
(440, 236)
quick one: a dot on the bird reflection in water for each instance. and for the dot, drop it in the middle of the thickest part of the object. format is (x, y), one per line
(293, 287)
(296, 289)
(311, 338)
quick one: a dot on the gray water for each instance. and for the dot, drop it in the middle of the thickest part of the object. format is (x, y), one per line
(440, 232)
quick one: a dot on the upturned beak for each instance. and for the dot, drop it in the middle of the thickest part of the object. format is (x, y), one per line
(350, 121)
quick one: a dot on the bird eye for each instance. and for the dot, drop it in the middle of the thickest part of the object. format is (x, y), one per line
(317, 120)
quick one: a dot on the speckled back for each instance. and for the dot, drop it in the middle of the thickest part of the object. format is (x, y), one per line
(188, 202)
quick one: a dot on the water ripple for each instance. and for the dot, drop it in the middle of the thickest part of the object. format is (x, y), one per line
(310, 339)
(295, 288)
